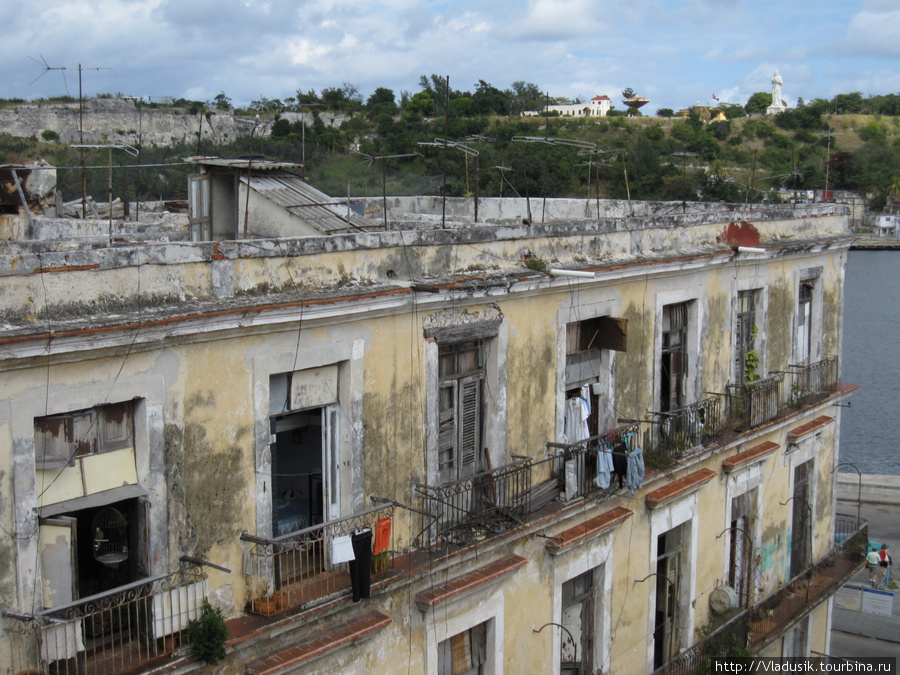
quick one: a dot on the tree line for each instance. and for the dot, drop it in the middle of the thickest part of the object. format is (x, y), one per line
(386, 144)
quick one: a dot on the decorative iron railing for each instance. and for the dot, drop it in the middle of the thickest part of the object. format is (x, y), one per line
(112, 632)
(301, 568)
(485, 503)
(575, 464)
(751, 630)
(679, 431)
(812, 379)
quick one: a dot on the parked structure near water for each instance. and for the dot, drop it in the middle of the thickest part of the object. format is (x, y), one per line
(234, 418)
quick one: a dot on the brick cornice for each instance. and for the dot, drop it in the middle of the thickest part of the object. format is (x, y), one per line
(590, 528)
(678, 488)
(469, 581)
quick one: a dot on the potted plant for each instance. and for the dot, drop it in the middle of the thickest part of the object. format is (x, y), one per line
(265, 604)
(207, 634)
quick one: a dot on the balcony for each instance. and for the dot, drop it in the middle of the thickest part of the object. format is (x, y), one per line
(306, 568)
(680, 431)
(746, 406)
(121, 630)
(573, 465)
(467, 510)
(755, 628)
(755, 403)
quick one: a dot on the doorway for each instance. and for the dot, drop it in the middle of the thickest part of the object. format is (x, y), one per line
(304, 470)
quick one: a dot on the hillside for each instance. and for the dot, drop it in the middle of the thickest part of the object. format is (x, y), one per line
(740, 159)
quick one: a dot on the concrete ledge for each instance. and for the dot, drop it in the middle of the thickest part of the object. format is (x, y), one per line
(875, 489)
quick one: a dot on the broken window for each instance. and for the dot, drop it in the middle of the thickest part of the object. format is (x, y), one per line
(60, 439)
(460, 409)
(464, 653)
(674, 357)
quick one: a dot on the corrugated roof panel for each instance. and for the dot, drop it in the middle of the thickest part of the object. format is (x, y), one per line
(312, 206)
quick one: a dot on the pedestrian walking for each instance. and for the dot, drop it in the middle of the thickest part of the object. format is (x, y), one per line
(884, 563)
(872, 560)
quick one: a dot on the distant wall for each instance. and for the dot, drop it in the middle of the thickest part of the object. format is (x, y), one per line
(116, 120)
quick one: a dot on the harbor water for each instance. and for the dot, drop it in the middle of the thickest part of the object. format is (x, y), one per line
(869, 358)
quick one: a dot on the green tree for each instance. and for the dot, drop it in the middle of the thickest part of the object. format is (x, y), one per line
(489, 100)
(381, 102)
(221, 101)
(524, 96)
(665, 112)
(758, 103)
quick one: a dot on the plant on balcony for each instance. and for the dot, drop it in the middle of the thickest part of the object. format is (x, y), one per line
(207, 634)
(379, 562)
(751, 358)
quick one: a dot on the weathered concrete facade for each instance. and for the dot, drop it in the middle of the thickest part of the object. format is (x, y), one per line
(323, 371)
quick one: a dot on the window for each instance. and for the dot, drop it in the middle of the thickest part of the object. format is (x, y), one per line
(674, 361)
(464, 653)
(745, 333)
(60, 439)
(460, 409)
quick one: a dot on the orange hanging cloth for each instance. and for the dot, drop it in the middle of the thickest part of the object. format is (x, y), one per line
(382, 535)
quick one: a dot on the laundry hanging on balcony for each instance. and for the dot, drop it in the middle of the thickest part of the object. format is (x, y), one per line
(341, 549)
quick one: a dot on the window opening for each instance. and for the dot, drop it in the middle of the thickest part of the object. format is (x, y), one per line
(804, 321)
(745, 337)
(674, 364)
(666, 638)
(801, 525)
(464, 653)
(743, 520)
(577, 640)
(460, 409)
(103, 551)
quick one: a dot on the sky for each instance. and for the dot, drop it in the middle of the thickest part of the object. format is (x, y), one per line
(677, 53)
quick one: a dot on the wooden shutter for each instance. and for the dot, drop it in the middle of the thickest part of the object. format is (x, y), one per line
(447, 431)
(470, 425)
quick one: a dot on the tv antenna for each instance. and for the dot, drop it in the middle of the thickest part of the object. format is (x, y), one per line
(47, 69)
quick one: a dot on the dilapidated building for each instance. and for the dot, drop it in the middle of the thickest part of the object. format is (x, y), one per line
(580, 444)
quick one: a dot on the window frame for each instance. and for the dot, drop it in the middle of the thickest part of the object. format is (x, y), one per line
(84, 433)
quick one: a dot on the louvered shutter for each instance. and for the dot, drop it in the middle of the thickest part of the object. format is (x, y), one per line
(447, 431)
(470, 425)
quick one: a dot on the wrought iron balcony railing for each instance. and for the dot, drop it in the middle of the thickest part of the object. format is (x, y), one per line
(302, 568)
(753, 629)
(810, 380)
(575, 464)
(485, 503)
(112, 632)
(679, 431)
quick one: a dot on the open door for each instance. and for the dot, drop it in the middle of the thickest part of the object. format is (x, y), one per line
(305, 470)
